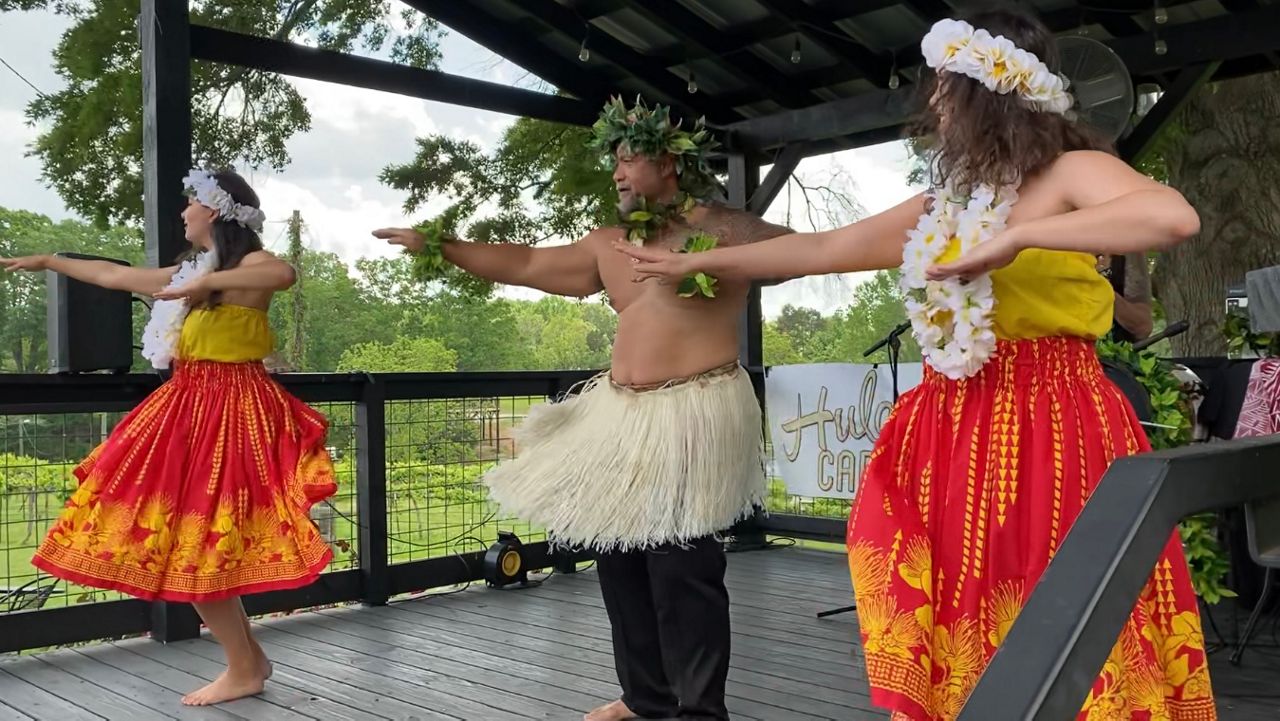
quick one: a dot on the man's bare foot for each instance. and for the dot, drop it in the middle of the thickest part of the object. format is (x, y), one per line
(616, 711)
(227, 688)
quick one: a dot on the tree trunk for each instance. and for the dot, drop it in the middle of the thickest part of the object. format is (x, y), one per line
(1226, 161)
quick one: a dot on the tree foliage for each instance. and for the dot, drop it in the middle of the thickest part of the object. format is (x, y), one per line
(90, 146)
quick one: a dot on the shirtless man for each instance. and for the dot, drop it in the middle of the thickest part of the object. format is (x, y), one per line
(656, 456)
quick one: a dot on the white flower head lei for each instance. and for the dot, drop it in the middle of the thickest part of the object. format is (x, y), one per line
(955, 46)
(952, 319)
(203, 186)
(164, 328)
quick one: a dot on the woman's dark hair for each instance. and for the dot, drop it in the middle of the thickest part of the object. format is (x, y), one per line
(231, 240)
(993, 139)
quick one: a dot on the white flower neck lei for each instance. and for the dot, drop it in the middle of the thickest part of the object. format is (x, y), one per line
(951, 320)
(164, 329)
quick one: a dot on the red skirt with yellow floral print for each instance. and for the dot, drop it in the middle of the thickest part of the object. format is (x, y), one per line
(970, 489)
(202, 492)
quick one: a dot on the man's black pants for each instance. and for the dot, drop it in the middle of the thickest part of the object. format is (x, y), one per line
(669, 610)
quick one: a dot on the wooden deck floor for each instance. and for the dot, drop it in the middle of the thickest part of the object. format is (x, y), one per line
(489, 655)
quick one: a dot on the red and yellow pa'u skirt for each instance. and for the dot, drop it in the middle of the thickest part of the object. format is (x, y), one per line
(971, 488)
(202, 492)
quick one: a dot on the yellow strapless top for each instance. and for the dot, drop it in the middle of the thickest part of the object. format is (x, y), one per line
(227, 334)
(1052, 293)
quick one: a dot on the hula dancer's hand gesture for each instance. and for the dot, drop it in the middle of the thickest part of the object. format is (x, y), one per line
(30, 263)
(426, 244)
(195, 292)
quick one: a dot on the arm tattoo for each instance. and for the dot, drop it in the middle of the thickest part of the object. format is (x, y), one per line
(740, 227)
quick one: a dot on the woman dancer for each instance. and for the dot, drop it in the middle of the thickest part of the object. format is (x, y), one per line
(983, 467)
(201, 494)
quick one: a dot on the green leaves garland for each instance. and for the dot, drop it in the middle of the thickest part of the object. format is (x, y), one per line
(698, 283)
(649, 218)
(649, 131)
(429, 263)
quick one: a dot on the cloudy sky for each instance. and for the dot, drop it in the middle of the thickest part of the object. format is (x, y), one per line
(333, 177)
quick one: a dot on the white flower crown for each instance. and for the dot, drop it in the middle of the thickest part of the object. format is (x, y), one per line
(956, 46)
(201, 185)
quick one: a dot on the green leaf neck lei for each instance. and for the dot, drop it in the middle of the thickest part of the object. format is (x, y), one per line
(650, 218)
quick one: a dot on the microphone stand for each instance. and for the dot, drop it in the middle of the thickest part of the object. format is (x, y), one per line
(894, 342)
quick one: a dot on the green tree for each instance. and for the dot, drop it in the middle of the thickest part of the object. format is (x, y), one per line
(90, 147)
(800, 325)
(876, 309)
(339, 313)
(402, 355)
(430, 431)
(23, 310)
(779, 348)
(484, 333)
(566, 334)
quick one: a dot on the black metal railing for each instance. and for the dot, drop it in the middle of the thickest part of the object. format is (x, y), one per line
(409, 515)
(1058, 645)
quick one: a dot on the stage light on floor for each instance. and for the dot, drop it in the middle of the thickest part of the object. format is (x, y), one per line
(503, 562)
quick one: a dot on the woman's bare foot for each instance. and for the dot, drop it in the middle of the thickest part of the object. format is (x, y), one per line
(227, 687)
(616, 711)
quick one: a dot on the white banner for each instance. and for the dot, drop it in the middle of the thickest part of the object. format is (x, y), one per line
(824, 419)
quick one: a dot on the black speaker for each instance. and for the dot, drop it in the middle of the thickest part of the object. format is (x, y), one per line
(89, 328)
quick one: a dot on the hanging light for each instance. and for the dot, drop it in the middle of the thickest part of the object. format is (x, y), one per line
(693, 83)
(1160, 15)
(894, 81)
(1161, 48)
(584, 54)
(795, 52)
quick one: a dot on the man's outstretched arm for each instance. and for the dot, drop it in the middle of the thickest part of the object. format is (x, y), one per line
(569, 270)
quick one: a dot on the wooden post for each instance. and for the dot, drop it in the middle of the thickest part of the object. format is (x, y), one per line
(371, 492)
(165, 35)
(744, 179)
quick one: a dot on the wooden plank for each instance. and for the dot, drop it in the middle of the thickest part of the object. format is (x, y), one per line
(446, 675)
(79, 692)
(352, 70)
(179, 682)
(9, 712)
(839, 694)
(154, 701)
(205, 660)
(541, 649)
(575, 627)
(32, 698)
(509, 687)
(546, 619)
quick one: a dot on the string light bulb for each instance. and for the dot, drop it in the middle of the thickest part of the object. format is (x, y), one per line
(894, 81)
(693, 83)
(1161, 48)
(1160, 14)
(584, 53)
(795, 52)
